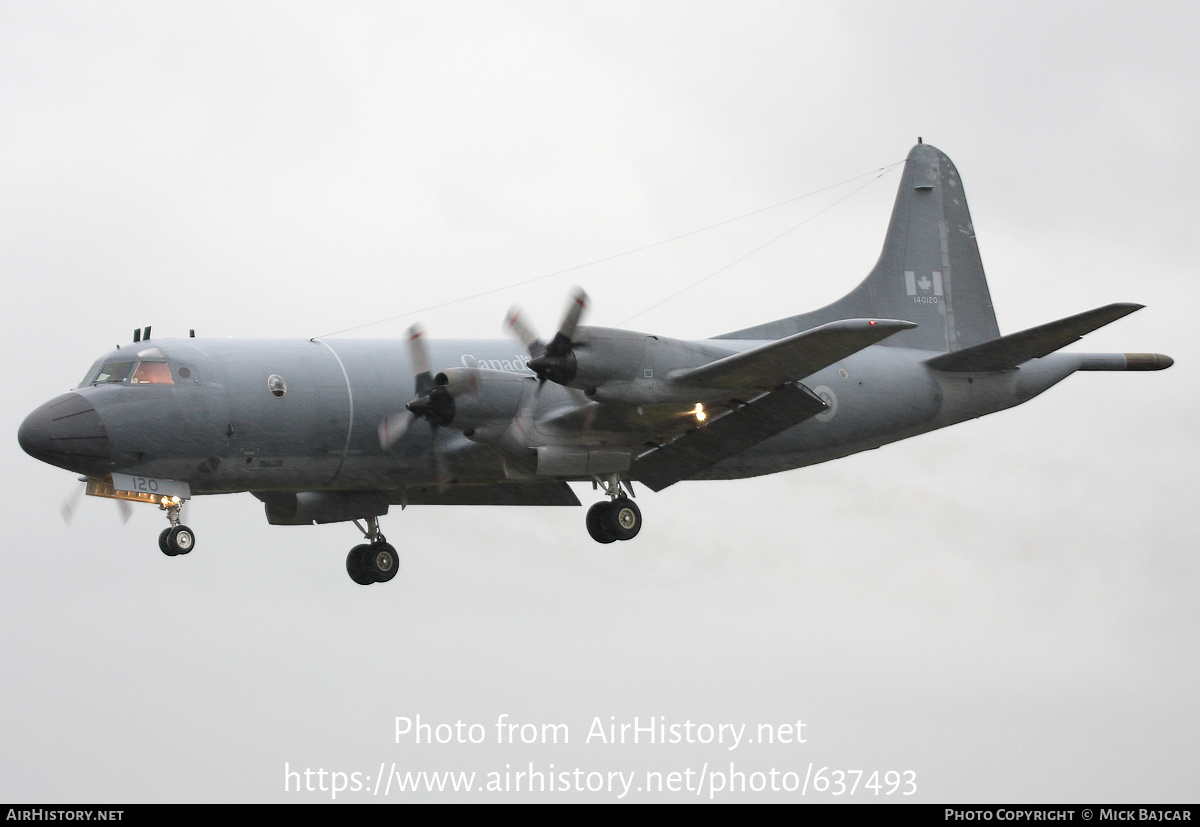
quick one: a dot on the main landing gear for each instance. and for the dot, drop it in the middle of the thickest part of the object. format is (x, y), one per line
(374, 561)
(617, 519)
(178, 538)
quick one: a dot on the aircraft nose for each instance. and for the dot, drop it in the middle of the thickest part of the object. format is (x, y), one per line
(67, 432)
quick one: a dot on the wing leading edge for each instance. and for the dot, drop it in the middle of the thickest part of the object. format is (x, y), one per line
(793, 357)
(1015, 349)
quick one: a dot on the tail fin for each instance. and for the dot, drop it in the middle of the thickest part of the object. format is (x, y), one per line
(929, 271)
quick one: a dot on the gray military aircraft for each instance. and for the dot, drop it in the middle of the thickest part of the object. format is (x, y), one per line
(337, 430)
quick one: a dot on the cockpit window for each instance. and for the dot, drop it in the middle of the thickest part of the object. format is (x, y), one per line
(90, 376)
(133, 373)
(112, 372)
(152, 373)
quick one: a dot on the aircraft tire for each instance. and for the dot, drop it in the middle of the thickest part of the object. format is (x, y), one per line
(623, 519)
(356, 565)
(180, 540)
(382, 562)
(162, 543)
(597, 523)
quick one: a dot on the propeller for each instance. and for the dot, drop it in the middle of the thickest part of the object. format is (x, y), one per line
(71, 503)
(393, 426)
(433, 403)
(554, 361)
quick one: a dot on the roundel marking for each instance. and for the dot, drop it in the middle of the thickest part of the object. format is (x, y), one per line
(829, 398)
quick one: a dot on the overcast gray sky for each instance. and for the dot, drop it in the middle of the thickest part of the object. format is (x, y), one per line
(1006, 608)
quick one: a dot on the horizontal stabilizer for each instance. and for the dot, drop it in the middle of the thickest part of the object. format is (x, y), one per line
(726, 435)
(1015, 349)
(791, 358)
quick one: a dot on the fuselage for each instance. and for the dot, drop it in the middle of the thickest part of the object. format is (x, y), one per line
(227, 415)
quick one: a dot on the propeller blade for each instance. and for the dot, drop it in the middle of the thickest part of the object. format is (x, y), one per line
(418, 354)
(393, 427)
(516, 323)
(523, 421)
(70, 504)
(439, 459)
(575, 309)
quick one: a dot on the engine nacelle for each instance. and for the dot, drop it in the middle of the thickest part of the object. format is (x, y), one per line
(613, 365)
(603, 362)
(485, 401)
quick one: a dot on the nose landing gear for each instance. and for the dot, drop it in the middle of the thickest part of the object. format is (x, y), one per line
(617, 519)
(177, 539)
(375, 561)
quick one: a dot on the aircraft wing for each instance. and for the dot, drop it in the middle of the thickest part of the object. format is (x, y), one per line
(791, 358)
(1009, 351)
(726, 435)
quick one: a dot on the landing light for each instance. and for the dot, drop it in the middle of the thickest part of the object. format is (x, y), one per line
(699, 413)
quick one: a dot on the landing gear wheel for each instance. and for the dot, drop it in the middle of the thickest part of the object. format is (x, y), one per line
(382, 562)
(372, 563)
(177, 540)
(598, 521)
(356, 565)
(623, 519)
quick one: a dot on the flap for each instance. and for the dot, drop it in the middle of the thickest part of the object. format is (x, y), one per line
(726, 435)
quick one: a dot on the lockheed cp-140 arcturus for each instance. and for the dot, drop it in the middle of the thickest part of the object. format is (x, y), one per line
(327, 430)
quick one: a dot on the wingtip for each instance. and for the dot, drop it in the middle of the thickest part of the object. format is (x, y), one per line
(894, 325)
(1127, 307)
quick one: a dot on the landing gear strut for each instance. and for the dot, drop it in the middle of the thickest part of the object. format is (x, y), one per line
(178, 538)
(617, 519)
(374, 561)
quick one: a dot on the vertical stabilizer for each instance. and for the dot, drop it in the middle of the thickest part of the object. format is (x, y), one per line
(929, 271)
